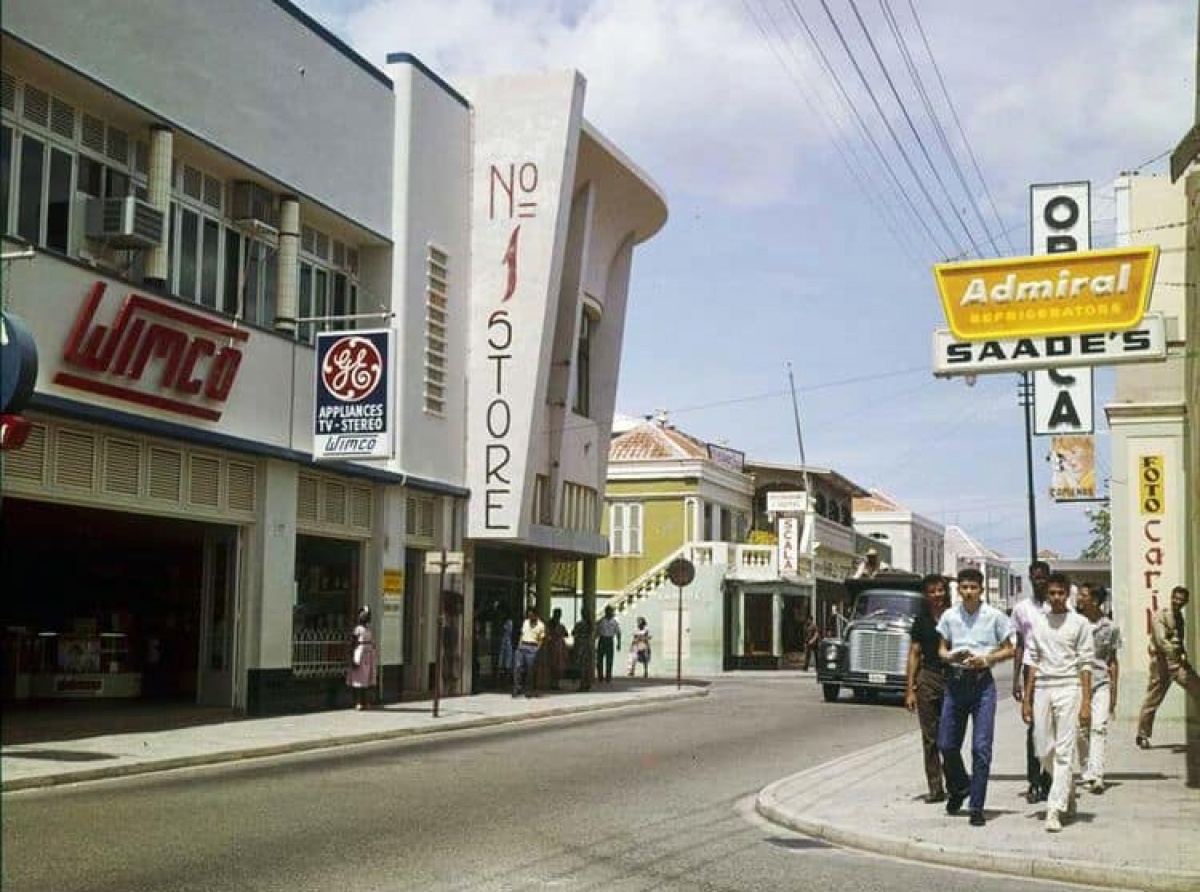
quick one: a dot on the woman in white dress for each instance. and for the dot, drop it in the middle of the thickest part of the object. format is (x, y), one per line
(639, 648)
(361, 677)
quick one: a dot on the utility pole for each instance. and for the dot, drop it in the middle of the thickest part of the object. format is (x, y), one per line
(1025, 392)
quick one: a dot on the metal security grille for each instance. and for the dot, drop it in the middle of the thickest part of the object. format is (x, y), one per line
(872, 650)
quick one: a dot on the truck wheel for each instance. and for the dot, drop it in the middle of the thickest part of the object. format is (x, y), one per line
(830, 691)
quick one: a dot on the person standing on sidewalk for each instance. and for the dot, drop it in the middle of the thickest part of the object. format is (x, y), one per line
(926, 680)
(361, 677)
(1058, 693)
(533, 630)
(1023, 617)
(608, 630)
(639, 650)
(1168, 663)
(1106, 642)
(975, 636)
(583, 654)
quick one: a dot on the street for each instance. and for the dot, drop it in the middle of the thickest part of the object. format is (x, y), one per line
(649, 799)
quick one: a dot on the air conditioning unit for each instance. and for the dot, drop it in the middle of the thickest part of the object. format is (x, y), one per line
(125, 222)
(254, 203)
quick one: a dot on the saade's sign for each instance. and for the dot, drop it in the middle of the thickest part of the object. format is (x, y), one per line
(352, 408)
(1074, 293)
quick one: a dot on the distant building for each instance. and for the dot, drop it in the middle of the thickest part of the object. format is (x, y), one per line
(963, 550)
(917, 543)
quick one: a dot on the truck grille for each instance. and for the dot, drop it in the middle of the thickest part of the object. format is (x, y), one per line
(874, 651)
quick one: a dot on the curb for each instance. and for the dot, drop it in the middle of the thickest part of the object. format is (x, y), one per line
(766, 803)
(300, 746)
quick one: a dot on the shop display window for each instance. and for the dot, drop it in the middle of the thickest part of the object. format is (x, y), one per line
(327, 602)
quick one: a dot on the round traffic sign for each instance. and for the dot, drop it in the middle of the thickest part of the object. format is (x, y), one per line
(681, 571)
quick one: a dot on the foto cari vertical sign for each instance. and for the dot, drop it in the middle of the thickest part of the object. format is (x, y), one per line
(352, 410)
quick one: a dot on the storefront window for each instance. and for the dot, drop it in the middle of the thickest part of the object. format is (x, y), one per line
(327, 594)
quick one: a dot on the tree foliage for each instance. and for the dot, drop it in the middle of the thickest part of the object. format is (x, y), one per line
(1100, 548)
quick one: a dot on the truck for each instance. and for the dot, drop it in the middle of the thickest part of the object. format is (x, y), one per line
(869, 653)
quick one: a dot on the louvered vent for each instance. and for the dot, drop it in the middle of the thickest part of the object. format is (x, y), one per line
(204, 481)
(193, 182)
(339, 254)
(335, 503)
(75, 460)
(410, 515)
(29, 462)
(352, 261)
(141, 157)
(166, 474)
(92, 135)
(62, 118)
(117, 147)
(122, 461)
(360, 507)
(308, 239)
(241, 487)
(306, 498)
(212, 192)
(36, 107)
(321, 247)
(8, 91)
(425, 520)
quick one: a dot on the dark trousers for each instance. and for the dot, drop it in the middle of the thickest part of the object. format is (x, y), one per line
(931, 691)
(604, 657)
(523, 660)
(969, 695)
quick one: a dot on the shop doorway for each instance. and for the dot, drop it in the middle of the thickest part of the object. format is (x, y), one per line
(758, 625)
(103, 605)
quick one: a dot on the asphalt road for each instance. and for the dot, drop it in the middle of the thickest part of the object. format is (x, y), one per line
(652, 799)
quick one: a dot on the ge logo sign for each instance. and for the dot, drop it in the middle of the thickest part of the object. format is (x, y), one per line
(352, 369)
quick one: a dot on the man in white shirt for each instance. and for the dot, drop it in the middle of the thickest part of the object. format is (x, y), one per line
(608, 641)
(975, 637)
(533, 630)
(1023, 617)
(1058, 693)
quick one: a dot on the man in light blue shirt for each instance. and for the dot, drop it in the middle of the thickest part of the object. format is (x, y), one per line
(975, 636)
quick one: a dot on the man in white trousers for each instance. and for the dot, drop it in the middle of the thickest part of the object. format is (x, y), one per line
(1058, 693)
(1106, 642)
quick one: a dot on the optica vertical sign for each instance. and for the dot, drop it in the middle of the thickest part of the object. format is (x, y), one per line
(352, 411)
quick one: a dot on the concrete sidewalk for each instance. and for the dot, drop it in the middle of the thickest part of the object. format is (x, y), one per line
(28, 765)
(1143, 832)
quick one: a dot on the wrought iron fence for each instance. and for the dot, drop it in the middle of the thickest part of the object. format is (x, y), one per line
(320, 653)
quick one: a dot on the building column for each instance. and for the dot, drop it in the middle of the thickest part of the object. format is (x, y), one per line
(589, 610)
(158, 194)
(776, 618)
(545, 575)
(738, 644)
(287, 279)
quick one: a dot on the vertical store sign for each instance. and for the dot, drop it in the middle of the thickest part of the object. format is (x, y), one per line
(1155, 559)
(352, 412)
(789, 545)
(1060, 221)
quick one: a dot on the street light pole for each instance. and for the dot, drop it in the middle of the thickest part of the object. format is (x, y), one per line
(1025, 390)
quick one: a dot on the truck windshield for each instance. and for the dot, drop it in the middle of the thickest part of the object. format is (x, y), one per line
(884, 603)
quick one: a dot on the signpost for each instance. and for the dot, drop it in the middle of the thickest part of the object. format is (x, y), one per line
(681, 572)
(442, 563)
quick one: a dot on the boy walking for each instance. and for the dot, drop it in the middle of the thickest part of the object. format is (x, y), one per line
(1058, 693)
(974, 638)
(1106, 641)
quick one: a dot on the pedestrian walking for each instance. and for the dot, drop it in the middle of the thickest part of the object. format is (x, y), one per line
(639, 649)
(812, 637)
(1106, 643)
(925, 687)
(361, 676)
(608, 631)
(1023, 617)
(584, 653)
(975, 636)
(1057, 699)
(533, 630)
(1168, 662)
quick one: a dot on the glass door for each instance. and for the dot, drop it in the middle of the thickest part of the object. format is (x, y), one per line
(218, 618)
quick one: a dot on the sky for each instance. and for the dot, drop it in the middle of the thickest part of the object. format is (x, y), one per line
(792, 241)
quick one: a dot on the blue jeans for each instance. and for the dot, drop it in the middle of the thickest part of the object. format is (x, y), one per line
(523, 661)
(973, 695)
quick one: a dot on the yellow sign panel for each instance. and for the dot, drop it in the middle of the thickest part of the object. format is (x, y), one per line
(1073, 467)
(1151, 489)
(393, 582)
(1050, 294)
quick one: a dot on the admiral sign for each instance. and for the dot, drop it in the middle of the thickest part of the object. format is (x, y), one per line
(1073, 293)
(351, 409)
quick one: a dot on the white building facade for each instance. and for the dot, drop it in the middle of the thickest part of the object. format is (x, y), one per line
(918, 543)
(198, 210)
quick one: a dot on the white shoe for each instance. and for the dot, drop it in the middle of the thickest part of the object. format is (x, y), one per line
(1053, 824)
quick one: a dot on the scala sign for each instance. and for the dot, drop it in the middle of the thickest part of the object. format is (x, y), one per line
(1075, 293)
(1145, 343)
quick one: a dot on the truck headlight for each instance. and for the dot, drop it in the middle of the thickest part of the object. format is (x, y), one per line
(831, 652)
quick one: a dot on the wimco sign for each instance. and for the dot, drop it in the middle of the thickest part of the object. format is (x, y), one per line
(352, 411)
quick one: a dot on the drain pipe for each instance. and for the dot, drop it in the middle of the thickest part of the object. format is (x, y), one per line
(287, 286)
(158, 189)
